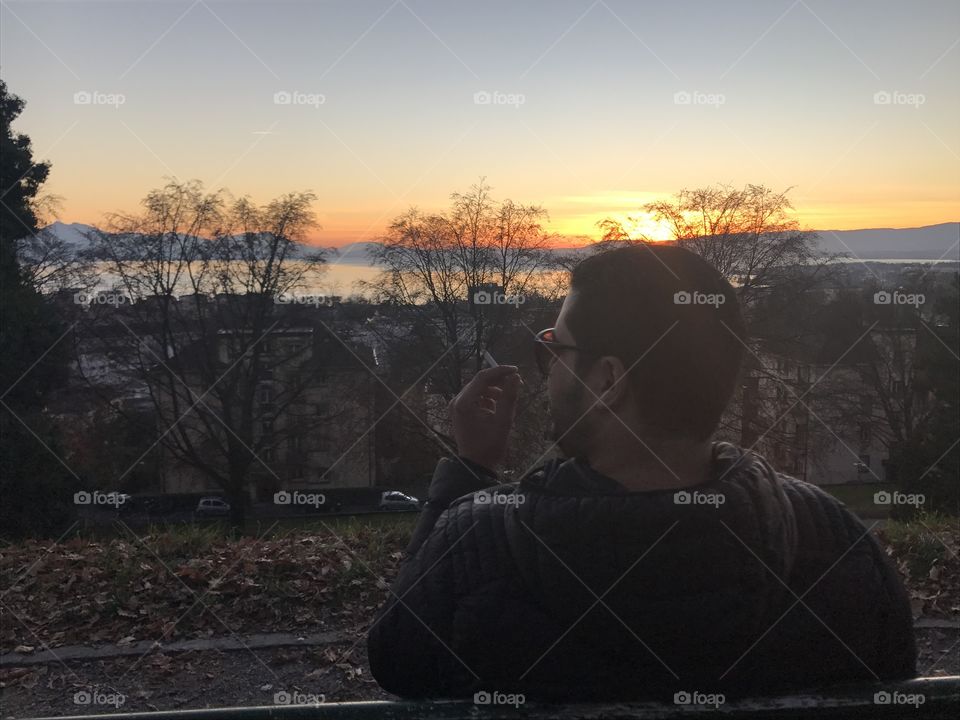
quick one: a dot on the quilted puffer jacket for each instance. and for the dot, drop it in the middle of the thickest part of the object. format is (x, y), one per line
(568, 586)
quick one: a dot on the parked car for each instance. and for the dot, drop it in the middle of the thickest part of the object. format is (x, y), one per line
(396, 500)
(212, 507)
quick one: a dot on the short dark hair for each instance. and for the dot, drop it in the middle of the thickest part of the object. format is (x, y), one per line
(628, 298)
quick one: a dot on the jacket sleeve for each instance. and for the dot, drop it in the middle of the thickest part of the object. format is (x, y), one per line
(452, 478)
(407, 645)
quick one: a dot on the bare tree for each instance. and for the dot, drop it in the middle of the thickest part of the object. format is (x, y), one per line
(467, 275)
(232, 375)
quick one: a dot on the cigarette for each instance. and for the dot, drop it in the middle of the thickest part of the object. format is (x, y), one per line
(489, 358)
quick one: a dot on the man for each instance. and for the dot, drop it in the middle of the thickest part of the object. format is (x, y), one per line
(650, 560)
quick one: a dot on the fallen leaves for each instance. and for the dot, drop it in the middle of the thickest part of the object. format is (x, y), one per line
(118, 591)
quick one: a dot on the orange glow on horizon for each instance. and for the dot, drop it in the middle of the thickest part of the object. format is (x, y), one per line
(580, 227)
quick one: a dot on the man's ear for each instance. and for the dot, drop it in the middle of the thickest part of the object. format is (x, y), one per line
(614, 389)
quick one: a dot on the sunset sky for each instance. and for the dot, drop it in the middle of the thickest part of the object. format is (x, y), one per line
(590, 109)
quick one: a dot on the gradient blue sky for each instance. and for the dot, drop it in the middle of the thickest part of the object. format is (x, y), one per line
(599, 131)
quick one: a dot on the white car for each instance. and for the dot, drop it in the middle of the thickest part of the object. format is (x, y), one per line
(212, 507)
(396, 500)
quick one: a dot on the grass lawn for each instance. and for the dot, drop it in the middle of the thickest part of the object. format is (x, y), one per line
(859, 498)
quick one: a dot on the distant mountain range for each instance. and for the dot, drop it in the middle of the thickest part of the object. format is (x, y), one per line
(931, 242)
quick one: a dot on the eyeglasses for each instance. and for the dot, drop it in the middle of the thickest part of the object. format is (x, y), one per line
(546, 349)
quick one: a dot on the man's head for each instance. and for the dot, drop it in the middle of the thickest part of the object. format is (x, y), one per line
(660, 339)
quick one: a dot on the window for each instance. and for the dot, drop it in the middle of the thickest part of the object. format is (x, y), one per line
(866, 434)
(266, 393)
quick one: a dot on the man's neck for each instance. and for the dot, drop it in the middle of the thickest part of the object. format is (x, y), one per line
(654, 466)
